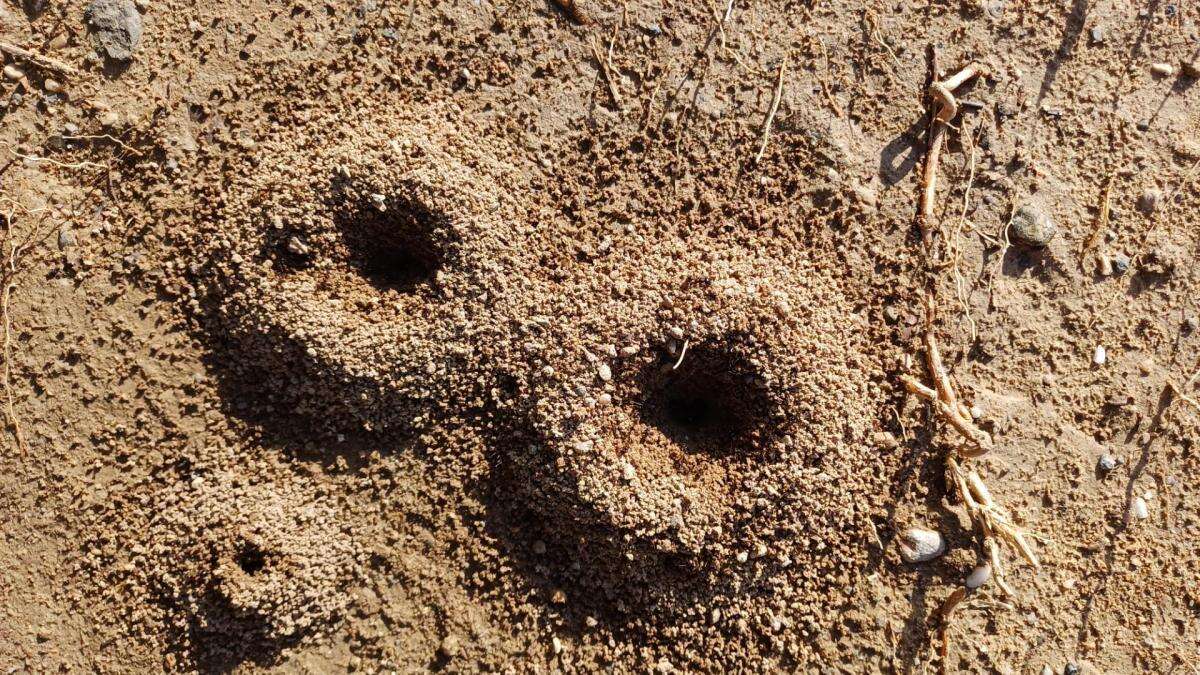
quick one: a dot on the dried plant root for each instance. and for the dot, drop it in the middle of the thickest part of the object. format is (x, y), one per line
(992, 520)
(946, 108)
(945, 401)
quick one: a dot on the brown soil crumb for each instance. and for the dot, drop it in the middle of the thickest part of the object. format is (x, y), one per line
(476, 337)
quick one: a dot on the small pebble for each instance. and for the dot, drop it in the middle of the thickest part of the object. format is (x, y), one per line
(450, 646)
(296, 246)
(1139, 509)
(676, 332)
(1162, 70)
(1097, 35)
(13, 73)
(918, 545)
(1100, 356)
(51, 85)
(628, 472)
(651, 28)
(1071, 669)
(1120, 263)
(1107, 463)
(66, 237)
(1149, 200)
(557, 644)
(604, 372)
(1032, 227)
(115, 27)
(1047, 670)
(979, 576)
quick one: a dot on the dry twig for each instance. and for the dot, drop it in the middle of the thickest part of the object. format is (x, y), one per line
(945, 109)
(38, 59)
(989, 518)
(766, 133)
(1101, 221)
(5, 302)
(602, 64)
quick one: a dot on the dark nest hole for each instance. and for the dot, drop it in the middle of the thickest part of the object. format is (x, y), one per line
(251, 558)
(395, 243)
(713, 404)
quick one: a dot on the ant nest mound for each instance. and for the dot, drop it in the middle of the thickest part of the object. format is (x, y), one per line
(688, 412)
(716, 435)
(253, 560)
(353, 282)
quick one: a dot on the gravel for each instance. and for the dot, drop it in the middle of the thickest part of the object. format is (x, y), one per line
(1032, 227)
(116, 28)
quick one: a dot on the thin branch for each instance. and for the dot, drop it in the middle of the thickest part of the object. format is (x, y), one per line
(766, 133)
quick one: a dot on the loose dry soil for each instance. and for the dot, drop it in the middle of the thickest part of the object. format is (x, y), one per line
(395, 336)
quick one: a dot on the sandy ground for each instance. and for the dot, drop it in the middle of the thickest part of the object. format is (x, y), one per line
(491, 336)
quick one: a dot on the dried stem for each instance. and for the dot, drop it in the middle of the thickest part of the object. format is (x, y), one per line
(766, 133)
(5, 314)
(38, 59)
(946, 108)
(989, 518)
(602, 64)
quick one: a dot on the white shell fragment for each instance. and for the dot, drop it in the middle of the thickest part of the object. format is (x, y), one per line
(1162, 70)
(979, 576)
(1139, 509)
(918, 545)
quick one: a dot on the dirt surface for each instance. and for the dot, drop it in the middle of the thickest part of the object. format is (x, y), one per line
(483, 336)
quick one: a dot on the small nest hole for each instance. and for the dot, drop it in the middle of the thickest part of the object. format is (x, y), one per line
(713, 404)
(251, 558)
(394, 243)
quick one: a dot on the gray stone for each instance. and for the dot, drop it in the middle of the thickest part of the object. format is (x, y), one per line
(1032, 227)
(66, 237)
(1108, 463)
(115, 26)
(1120, 263)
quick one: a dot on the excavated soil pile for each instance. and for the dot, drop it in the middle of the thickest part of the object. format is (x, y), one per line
(486, 336)
(687, 413)
(690, 414)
